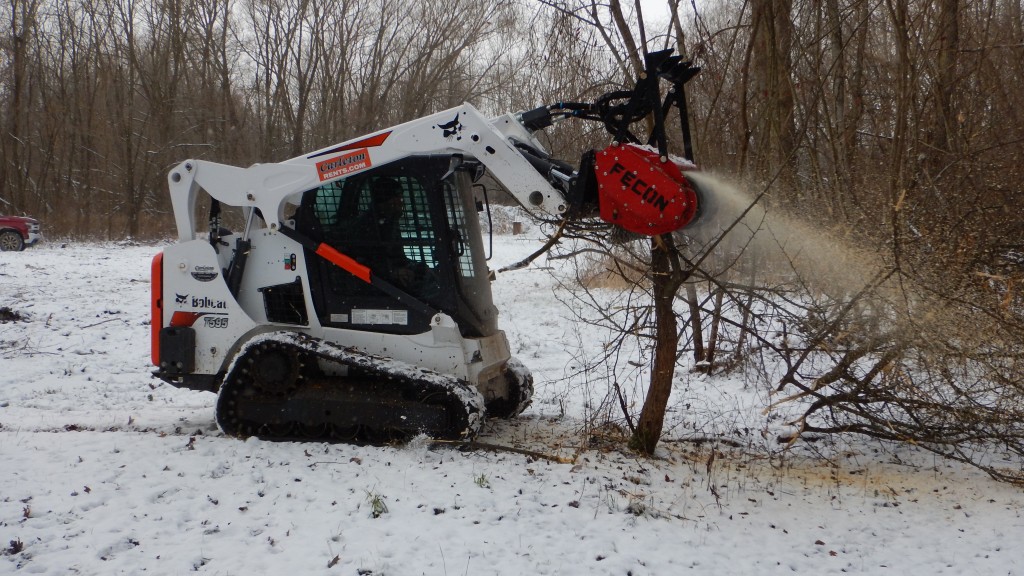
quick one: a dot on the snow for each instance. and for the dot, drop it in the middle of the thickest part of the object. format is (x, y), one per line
(106, 470)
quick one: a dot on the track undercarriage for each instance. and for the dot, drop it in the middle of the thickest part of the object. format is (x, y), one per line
(290, 386)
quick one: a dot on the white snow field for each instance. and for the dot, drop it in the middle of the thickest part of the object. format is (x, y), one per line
(107, 470)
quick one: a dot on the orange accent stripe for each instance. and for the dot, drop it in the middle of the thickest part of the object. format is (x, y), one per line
(186, 319)
(156, 305)
(344, 262)
(366, 142)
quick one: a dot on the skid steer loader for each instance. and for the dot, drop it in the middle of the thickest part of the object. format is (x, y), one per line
(355, 303)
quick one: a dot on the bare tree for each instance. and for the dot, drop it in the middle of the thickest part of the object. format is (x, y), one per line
(17, 46)
(772, 90)
(663, 267)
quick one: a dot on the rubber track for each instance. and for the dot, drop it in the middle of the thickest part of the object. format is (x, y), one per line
(275, 389)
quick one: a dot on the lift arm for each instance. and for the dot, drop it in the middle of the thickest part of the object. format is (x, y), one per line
(634, 184)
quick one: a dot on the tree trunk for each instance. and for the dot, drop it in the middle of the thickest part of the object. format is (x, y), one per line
(772, 39)
(716, 322)
(666, 280)
(696, 327)
(944, 84)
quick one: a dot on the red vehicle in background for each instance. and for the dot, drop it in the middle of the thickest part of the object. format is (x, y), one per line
(17, 232)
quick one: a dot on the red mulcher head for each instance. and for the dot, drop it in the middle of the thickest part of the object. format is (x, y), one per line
(634, 183)
(643, 192)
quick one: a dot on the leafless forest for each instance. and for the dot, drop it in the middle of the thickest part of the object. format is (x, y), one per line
(892, 129)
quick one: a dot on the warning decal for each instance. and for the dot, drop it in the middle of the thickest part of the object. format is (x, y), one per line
(380, 316)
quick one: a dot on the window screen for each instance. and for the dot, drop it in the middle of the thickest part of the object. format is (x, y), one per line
(326, 203)
(357, 216)
(456, 215)
(418, 237)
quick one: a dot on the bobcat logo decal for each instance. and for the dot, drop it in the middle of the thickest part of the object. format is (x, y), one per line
(453, 128)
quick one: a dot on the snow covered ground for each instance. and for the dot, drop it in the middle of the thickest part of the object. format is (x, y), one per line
(105, 470)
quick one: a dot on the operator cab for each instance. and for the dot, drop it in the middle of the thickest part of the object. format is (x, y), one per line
(414, 224)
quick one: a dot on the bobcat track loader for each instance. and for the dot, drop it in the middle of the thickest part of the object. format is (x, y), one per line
(355, 303)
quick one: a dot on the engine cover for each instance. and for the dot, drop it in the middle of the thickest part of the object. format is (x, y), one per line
(642, 194)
